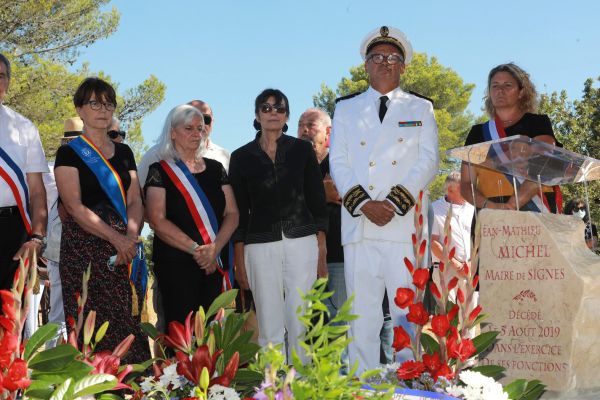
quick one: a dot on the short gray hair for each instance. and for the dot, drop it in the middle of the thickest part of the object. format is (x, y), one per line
(453, 177)
(5, 61)
(182, 114)
(323, 116)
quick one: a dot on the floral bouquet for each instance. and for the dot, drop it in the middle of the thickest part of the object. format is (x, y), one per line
(440, 360)
(207, 355)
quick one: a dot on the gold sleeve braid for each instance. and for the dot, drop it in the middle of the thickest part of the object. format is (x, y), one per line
(401, 198)
(353, 198)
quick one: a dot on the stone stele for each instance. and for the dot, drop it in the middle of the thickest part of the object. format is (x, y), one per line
(540, 287)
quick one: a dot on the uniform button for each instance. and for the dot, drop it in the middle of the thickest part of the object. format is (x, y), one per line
(372, 163)
(362, 143)
(394, 162)
(400, 140)
(371, 187)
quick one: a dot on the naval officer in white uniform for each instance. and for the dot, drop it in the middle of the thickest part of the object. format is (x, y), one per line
(384, 151)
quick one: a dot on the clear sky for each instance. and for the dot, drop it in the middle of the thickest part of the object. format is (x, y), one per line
(225, 52)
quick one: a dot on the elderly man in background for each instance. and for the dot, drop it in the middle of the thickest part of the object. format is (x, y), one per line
(314, 126)
(23, 212)
(384, 151)
(460, 224)
(114, 131)
(213, 151)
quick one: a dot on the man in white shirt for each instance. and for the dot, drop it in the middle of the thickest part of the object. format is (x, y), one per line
(23, 212)
(460, 224)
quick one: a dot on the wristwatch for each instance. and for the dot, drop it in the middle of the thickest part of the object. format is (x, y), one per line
(41, 239)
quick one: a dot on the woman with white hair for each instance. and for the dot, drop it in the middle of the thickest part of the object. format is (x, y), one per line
(191, 207)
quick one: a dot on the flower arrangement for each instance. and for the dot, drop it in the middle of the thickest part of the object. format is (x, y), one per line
(440, 361)
(207, 355)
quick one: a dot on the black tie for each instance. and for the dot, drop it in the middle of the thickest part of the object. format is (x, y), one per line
(382, 107)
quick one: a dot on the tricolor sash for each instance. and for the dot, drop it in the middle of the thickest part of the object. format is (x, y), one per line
(199, 207)
(494, 130)
(111, 184)
(15, 178)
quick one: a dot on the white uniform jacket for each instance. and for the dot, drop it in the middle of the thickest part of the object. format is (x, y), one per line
(403, 150)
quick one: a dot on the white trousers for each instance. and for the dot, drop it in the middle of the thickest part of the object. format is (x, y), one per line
(277, 272)
(372, 267)
(57, 311)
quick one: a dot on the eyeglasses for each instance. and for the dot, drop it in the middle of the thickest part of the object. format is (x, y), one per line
(114, 134)
(207, 119)
(267, 108)
(391, 58)
(580, 208)
(97, 105)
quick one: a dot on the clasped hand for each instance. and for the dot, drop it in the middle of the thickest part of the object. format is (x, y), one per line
(126, 246)
(206, 257)
(378, 212)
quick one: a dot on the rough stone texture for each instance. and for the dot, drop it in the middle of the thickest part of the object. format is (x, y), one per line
(540, 287)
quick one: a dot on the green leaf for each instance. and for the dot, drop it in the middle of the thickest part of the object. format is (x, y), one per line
(75, 369)
(484, 340)
(94, 384)
(491, 371)
(40, 337)
(533, 391)
(149, 330)
(39, 389)
(101, 332)
(54, 359)
(108, 396)
(430, 345)
(223, 300)
(516, 388)
(61, 391)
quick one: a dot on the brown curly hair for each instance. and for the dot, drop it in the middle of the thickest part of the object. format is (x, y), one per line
(528, 99)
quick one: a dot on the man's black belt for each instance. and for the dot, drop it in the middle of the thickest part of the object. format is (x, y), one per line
(9, 211)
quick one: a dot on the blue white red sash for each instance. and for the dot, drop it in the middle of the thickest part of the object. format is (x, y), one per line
(14, 177)
(111, 184)
(199, 207)
(494, 130)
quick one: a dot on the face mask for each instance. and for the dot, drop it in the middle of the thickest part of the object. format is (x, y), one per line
(580, 214)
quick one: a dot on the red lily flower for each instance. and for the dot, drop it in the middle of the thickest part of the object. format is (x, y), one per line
(440, 325)
(192, 369)
(420, 278)
(229, 372)
(404, 297)
(179, 336)
(410, 369)
(123, 347)
(417, 314)
(401, 338)
(423, 247)
(475, 280)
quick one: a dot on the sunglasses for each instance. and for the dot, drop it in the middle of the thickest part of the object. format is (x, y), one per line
(582, 208)
(114, 134)
(267, 108)
(207, 119)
